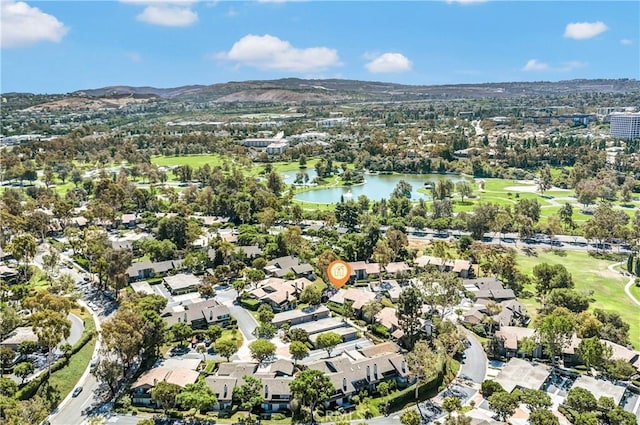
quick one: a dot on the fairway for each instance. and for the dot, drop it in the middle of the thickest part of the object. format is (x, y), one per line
(591, 274)
(195, 161)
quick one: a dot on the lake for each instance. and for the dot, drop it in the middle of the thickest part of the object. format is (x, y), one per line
(375, 188)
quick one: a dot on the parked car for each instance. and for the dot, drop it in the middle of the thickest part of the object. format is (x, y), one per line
(76, 392)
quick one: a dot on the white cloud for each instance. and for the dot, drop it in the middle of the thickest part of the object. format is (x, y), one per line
(571, 65)
(168, 16)
(535, 65)
(584, 30)
(232, 12)
(22, 25)
(133, 56)
(168, 13)
(626, 41)
(269, 52)
(389, 62)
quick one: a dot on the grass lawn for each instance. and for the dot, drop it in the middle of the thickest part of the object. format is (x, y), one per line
(66, 378)
(635, 291)
(228, 334)
(591, 274)
(195, 161)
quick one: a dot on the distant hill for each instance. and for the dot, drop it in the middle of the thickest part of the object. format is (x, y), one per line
(296, 90)
(300, 90)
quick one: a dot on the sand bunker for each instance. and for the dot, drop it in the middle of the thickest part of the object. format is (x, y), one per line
(531, 189)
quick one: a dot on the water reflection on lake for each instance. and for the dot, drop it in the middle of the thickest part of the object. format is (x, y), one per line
(376, 187)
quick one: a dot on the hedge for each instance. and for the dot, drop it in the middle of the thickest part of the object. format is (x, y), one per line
(31, 387)
(399, 400)
(335, 307)
(380, 330)
(250, 304)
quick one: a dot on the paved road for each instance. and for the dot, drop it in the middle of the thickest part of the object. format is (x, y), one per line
(632, 280)
(474, 365)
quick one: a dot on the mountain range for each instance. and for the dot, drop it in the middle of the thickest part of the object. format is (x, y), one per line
(295, 90)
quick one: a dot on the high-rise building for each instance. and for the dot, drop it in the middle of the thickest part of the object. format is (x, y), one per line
(625, 125)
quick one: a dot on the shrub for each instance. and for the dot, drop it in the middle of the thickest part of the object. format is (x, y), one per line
(250, 304)
(380, 330)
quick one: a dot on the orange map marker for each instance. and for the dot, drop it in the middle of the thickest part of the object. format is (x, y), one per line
(339, 273)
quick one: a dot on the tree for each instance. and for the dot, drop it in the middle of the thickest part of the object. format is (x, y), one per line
(619, 369)
(22, 370)
(371, 309)
(6, 358)
(543, 417)
(328, 341)
(197, 396)
(262, 349)
(409, 312)
(554, 331)
(226, 348)
(123, 335)
(249, 394)
(451, 404)
(545, 181)
(410, 417)
(23, 248)
(581, 400)
(548, 277)
(297, 334)
(396, 240)
(566, 215)
(527, 346)
(593, 352)
(535, 399)
(181, 331)
(382, 254)
(570, 299)
(311, 295)
(50, 327)
(298, 351)
(9, 319)
(421, 362)
(490, 387)
(311, 387)
(164, 394)
(504, 404)
(265, 313)
(8, 387)
(619, 416)
(464, 189)
(108, 372)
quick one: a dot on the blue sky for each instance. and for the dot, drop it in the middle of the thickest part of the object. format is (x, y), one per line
(62, 46)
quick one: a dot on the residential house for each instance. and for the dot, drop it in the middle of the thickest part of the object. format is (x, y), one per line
(361, 270)
(8, 274)
(182, 283)
(128, 220)
(463, 268)
(148, 269)
(512, 336)
(141, 389)
(282, 266)
(199, 315)
(18, 335)
(296, 317)
(280, 294)
(518, 373)
(358, 297)
(351, 372)
(397, 269)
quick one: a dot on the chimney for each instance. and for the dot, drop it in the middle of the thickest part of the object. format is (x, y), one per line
(185, 317)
